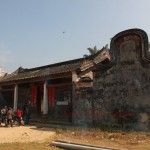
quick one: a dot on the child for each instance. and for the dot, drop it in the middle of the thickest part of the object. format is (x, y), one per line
(19, 115)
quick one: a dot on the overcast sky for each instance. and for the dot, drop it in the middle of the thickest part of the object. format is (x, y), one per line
(40, 32)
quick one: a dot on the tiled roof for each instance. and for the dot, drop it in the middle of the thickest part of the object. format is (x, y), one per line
(96, 59)
(63, 67)
(42, 71)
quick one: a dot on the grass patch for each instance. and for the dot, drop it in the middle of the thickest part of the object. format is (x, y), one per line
(115, 139)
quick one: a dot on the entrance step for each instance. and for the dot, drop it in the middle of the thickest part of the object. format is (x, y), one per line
(51, 121)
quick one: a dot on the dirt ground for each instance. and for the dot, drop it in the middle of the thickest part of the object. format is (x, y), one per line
(126, 140)
(130, 140)
(24, 134)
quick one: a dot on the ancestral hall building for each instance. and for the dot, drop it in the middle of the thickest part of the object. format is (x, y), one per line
(49, 88)
(108, 89)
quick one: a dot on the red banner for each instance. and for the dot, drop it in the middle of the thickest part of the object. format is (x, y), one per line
(34, 95)
(51, 96)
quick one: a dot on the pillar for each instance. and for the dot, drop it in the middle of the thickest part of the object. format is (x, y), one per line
(15, 97)
(74, 76)
(45, 99)
(74, 96)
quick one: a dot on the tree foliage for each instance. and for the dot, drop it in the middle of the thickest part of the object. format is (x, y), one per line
(93, 50)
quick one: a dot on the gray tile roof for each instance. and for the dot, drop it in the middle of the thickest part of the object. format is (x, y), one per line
(23, 74)
(63, 67)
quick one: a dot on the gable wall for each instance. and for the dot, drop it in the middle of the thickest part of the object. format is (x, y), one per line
(121, 95)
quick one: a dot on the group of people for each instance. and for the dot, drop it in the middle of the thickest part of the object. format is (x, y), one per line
(22, 116)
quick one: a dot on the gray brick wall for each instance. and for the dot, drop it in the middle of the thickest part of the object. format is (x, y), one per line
(121, 94)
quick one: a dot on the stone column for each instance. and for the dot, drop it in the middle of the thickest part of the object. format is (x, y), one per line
(74, 97)
(15, 97)
(74, 76)
(45, 99)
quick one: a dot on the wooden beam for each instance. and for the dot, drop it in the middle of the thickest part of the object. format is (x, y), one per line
(62, 84)
(1, 90)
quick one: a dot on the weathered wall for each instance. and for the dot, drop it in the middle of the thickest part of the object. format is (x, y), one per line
(82, 108)
(121, 94)
(121, 97)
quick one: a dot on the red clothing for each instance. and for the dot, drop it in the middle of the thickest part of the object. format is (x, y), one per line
(19, 113)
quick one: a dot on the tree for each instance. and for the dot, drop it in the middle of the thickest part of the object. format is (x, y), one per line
(106, 47)
(93, 50)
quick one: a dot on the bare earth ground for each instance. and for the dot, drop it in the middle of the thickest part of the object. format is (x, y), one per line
(121, 140)
(24, 134)
(39, 137)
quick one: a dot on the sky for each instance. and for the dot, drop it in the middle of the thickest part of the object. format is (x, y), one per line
(35, 33)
